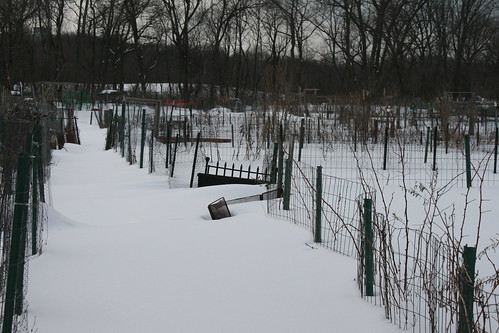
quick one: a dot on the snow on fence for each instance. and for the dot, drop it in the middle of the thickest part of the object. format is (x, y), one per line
(415, 275)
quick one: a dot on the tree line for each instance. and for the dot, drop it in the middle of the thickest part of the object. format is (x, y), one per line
(413, 48)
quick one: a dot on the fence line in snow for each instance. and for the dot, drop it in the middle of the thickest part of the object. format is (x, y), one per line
(415, 274)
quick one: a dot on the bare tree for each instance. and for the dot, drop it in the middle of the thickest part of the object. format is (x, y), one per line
(15, 19)
(184, 18)
(275, 41)
(470, 34)
(51, 16)
(140, 18)
(298, 16)
(220, 19)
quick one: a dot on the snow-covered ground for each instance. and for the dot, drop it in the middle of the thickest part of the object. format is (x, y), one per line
(125, 253)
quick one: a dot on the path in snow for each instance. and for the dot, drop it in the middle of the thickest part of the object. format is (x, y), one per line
(127, 254)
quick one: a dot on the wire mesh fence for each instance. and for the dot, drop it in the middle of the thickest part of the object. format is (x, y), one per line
(415, 278)
(25, 135)
(177, 141)
(396, 142)
(415, 274)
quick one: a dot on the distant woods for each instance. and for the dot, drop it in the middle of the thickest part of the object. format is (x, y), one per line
(413, 48)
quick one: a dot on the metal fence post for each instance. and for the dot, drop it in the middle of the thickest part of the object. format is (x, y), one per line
(302, 135)
(273, 169)
(318, 207)
(287, 184)
(15, 270)
(37, 159)
(368, 247)
(385, 155)
(174, 156)
(195, 158)
(122, 129)
(34, 208)
(142, 139)
(280, 166)
(467, 286)
(495, 149)
(427, 144)
(151, 153)
(168, 144)
(467, 154)
(435, 137)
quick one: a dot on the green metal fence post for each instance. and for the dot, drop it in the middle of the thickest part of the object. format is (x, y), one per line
(467, 154)
(495, 149)
(24, 228)
(129, 141)
(427, 144)
(151, 153)
(273, 170)
(435, 142)
(34, 209)
(280, 166)
(368, 247)
(37, 152)
(302, 137)
(467, 286)
(174, 156)
(168, 144)
(122, 129)
(142, 139)
(37, 159)
(318, 207)
(195, 158)
(385, 155)
(13, 298)
(287, 184)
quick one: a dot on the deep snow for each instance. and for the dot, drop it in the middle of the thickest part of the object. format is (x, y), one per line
(125, 253)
